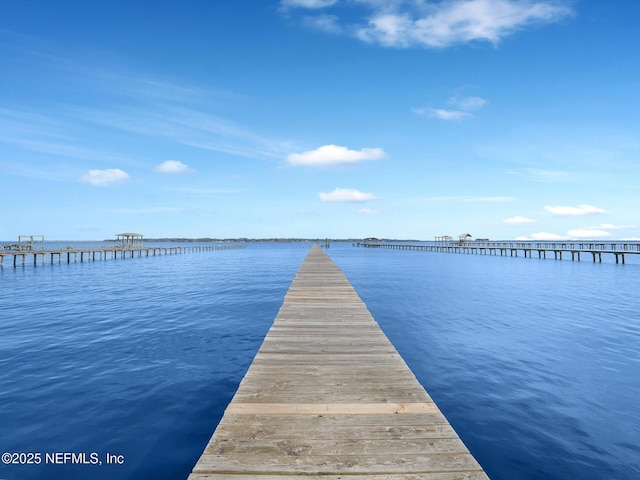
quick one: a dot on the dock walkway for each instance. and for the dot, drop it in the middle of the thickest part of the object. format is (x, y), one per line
(328, 395)
(70, 255)
(617, 249)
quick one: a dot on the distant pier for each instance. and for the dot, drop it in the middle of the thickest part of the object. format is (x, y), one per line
(69, 255)
(576, 249)
(328, 396)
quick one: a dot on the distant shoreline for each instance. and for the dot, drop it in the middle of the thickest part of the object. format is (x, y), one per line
(283, 240)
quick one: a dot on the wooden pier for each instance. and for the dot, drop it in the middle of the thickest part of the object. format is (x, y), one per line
(575, 249)
(328, 396)
(70, 255)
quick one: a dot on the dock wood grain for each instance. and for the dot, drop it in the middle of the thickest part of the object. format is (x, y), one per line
(329, 396)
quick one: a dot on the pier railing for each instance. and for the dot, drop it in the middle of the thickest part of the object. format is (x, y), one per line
(511, 248)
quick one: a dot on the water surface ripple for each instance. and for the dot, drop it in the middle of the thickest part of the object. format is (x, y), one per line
(134, 357)
(535, 362)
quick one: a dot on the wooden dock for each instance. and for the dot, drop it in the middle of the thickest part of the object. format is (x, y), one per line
(575, 249)
(329, 396)
(69, 255)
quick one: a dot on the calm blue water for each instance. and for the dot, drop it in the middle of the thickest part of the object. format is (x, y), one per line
(536, 363)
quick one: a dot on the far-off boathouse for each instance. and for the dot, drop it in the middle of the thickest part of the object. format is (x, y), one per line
(128, 240)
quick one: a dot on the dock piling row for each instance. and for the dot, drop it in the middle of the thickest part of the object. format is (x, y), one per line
(619, 250)
(86, 255)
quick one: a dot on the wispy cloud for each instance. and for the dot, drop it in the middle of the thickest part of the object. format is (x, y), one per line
(186, 125)
(574, 234)
(468, 103)
(457, 198)
(548, 236)
(312, 4)
(542, 175)
(52, 135)
(346, 195)
(103, 178)
(488, 199)
(334, 155)
(588, 233)
(610, 226)
(173, 166)
(426, 24)
(517, 220)
(563, 211)
(598, 231)
(148, 210)
(324, 23)
(441, 113)
(463, 107)
(205, 191)
(368, 211)
(129, 102)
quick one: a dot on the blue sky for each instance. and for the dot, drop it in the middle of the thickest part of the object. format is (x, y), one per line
(320, 118)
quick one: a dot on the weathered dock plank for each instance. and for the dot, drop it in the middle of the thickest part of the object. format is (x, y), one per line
(329, 396)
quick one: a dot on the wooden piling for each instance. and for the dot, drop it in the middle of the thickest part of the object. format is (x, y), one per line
(619, 251)
(89, 254)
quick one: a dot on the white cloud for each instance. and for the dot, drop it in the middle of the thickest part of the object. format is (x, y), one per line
(599, 231)
(346, 195)
(517, 220)
(313, 4)
(106, 177)
(575, 234)
(582, 210)
(455, 22)
(173, 166)
(547, 236)
(334, 155)
(588, 233)
(389, 30)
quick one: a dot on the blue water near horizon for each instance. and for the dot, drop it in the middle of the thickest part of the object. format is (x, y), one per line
(536, 363)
